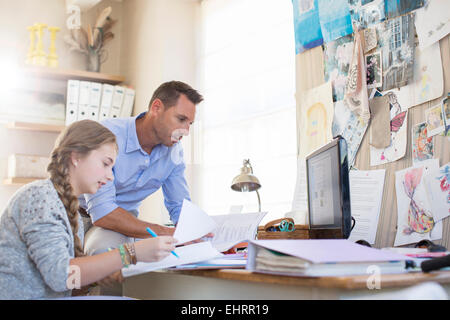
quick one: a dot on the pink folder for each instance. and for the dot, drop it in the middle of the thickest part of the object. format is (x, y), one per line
(329, 251)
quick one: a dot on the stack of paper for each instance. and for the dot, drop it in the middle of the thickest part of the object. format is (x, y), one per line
(194, 224)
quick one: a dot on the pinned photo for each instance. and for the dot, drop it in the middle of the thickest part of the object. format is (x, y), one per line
(435, 120)
(374, 70)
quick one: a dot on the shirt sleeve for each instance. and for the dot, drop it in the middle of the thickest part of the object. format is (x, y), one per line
(175, 190)
(47, 238)
(102, 202)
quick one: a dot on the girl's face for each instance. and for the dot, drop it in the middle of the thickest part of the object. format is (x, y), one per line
(90, 172)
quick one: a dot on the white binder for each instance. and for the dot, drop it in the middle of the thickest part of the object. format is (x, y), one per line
(106, 101)
(94, 101)
(117, 101)
(73, 90)
(83, 101)
(128, 102)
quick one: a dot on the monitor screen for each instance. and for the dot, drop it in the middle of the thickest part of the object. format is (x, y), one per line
(328, 186)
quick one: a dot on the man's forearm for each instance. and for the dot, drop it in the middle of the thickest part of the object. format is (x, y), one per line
(122, 221)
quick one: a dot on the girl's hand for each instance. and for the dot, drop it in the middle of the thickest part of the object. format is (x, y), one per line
(154, 249)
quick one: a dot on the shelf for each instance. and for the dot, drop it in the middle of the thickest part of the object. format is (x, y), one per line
(60, 74)
(19, 181)
(29, 126)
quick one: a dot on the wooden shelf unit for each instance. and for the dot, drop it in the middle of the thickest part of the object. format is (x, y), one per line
(19, 181)
(32, 126)
(61, 74)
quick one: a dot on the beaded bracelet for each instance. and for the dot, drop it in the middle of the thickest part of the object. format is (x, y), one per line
(131, 251)
(123, 256)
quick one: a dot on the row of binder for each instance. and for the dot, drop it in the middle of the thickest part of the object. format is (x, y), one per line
(97, 101)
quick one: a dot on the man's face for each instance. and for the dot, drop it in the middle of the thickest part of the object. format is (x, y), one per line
(173, 123)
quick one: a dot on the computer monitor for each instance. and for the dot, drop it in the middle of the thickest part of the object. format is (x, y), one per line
(329, 191)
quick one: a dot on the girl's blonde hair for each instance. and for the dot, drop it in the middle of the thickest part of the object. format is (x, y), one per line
(81, 137)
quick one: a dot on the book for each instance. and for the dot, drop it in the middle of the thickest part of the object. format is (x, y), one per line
(73, 91)
(319, 258)
(106, 101)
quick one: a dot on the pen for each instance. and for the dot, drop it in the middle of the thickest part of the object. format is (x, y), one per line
(154, 235)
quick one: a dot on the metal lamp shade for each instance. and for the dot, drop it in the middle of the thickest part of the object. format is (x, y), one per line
(245, 183)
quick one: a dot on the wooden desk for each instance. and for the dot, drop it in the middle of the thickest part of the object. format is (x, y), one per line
(239, 284)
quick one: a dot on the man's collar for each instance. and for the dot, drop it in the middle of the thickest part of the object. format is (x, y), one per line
(132, 139)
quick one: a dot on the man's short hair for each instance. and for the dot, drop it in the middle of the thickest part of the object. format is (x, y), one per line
(169, 92)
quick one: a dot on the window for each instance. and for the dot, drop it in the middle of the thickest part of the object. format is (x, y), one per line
(248, 75)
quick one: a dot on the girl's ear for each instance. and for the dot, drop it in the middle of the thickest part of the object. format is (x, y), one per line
(74, 158)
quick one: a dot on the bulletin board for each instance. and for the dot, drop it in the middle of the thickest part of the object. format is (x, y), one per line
(310, 74)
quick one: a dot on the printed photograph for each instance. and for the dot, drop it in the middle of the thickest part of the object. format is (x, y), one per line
(374, 70)
(435, 120)
(396, 44)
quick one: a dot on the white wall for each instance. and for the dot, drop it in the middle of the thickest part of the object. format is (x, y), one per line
(155, 41)
(15, 16)
(158, 45)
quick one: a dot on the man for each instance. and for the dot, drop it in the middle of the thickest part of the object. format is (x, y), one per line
(149, 157)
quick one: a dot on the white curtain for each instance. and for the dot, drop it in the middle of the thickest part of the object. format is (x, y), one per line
(247, 72)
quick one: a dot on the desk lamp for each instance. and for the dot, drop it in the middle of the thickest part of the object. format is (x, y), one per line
(246, 181)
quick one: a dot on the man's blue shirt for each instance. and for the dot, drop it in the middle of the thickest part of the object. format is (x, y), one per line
(138, 174)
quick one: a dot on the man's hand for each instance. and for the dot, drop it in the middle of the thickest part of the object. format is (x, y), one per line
(122, 221)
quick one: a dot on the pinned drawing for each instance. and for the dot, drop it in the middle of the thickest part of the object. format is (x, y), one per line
(437, 183)
(395, 8)
(446, 114)
(335, 19)
(432, 22)
(308, 33)
(428, 79)
(422, 145)
(337, 59)
(435, 120)
(415, 219)
(370, 39)
(420, 219)
(397, 148)
(366, 13)
(316, 117)
(351, 127)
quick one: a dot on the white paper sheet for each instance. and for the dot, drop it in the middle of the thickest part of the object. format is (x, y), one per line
(188, 254)
(432, 22)
(428, 79)
(193, 223)
(437, 183)
(366, 189)
(234, 228)
(300, 201)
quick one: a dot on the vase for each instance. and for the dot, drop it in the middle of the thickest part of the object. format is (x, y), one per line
(93, 61)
